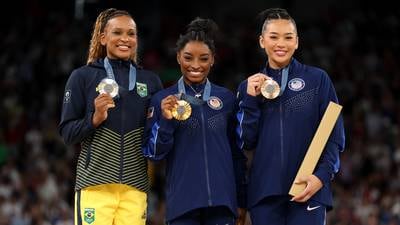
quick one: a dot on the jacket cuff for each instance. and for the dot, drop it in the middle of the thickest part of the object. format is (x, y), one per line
(324, 176)
(167, 125)
(250, 101)
(89, 122)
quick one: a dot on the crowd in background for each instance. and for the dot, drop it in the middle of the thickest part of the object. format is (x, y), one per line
(359, 48)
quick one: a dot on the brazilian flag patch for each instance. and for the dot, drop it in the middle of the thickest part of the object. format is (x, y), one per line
(141, 89)
(89, 215)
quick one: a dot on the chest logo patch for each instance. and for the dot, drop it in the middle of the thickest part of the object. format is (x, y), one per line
(296, 84)
(215, 103)
(141, 89)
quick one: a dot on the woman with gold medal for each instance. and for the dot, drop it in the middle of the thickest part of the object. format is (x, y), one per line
(191, 125)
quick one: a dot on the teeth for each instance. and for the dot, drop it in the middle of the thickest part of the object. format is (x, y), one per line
(123, 47)
(195, 73)
(280, 53)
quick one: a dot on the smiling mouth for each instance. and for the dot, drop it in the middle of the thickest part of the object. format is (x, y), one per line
(123, 47)
(195, 73)
(280, 53)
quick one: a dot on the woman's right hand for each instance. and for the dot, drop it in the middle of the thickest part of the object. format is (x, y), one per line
(101, 104)
(167, 104)
(254, 83)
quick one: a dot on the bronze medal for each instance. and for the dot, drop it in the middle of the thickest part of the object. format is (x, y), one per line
(270, 89)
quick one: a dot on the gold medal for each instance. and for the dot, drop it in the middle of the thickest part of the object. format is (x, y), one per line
(270, 89)
(108, 86)
(182, 111)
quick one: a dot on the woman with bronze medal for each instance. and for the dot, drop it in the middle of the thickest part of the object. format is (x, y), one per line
(104, 110)
(280, 109)
(190, 124)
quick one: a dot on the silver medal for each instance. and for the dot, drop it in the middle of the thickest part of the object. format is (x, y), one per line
(108, 86)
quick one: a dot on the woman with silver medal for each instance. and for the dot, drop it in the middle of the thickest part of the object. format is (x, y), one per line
(105, 112)
(192, 127)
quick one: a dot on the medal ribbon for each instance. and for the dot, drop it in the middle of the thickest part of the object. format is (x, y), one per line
(110, 73)
(191, 99)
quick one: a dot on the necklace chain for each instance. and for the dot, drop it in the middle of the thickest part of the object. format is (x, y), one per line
(196, 94)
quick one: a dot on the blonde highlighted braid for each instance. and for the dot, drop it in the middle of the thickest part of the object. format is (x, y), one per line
(96, 49)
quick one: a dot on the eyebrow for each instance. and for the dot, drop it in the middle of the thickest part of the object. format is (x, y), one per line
(121, 28)
(188, 53)
(289, 33)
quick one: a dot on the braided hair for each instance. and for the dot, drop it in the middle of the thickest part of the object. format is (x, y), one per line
(96, 50)
(199, 29)
(274, 14)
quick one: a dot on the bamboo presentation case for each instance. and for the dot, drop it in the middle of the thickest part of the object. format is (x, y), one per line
(317, 146)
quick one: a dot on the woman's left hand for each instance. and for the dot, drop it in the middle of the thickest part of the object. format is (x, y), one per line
(313, 185)
(241, 216)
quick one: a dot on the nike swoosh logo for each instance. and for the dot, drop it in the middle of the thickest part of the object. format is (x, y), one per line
(312, 208)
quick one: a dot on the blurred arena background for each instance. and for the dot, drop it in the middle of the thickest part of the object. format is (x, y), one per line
(357, 42)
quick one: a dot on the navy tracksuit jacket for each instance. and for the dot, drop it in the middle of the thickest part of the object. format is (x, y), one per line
(200, 153)
(280, 131)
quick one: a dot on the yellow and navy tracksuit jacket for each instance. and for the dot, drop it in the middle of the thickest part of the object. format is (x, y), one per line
(110, 153)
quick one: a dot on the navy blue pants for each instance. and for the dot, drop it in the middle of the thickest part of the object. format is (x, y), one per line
(279, 210)
(206, 216)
